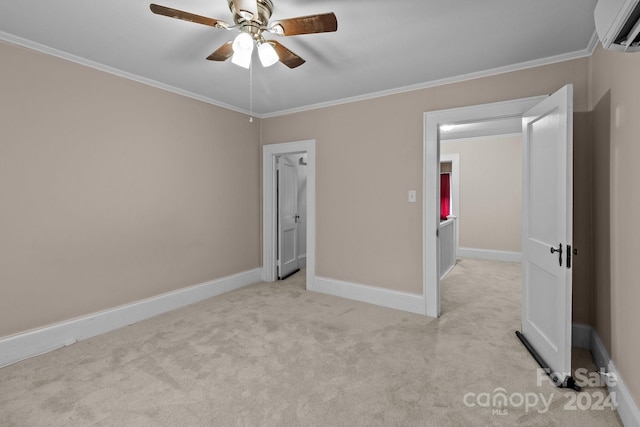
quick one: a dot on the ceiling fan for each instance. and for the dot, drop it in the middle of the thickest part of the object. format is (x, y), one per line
(251, 18)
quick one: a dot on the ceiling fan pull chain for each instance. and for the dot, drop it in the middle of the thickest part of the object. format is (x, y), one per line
(251, 92)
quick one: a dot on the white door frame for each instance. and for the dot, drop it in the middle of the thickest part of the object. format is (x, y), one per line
(269, 220)
(431, 173)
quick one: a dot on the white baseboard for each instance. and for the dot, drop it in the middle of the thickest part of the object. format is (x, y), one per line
(442, 275)
(626, 406)
(504, 256)
(38, 341)
(599, 352)
(413, 303)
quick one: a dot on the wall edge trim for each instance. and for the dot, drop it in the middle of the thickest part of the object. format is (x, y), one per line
(42, 340)
(38, 47)
(404, 301)
(625, 405)
(492, 255)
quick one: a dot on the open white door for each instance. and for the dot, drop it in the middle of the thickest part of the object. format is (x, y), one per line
(287, 218)
(547, 233)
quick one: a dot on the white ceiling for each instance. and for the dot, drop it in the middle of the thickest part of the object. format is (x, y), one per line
(381, 46)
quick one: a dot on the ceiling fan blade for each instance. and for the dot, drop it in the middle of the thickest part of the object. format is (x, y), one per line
(186, 16)
(287, 57)
(223, 53)
(248, 9)
(321, 23)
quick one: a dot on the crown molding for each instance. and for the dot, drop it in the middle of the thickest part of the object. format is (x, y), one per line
(10, 38)
(588, 51)
(449, 80)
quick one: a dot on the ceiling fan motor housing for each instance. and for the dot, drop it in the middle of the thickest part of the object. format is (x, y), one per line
(265, 9)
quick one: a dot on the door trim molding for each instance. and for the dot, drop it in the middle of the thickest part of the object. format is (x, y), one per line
(269, 228)
(431, 172)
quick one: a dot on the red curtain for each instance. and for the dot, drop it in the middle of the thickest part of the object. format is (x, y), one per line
(445, 196)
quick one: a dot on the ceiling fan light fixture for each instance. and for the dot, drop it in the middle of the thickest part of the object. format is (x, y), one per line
(251, 18)
(267, 54)
(243, 44)
(242, 59)
(277, 29)
(242, 49)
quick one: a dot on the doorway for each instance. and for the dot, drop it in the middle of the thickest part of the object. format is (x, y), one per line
(431, 167)
(270, 153)
(547, 132)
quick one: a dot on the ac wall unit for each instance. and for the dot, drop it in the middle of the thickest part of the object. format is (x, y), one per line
(618, 24)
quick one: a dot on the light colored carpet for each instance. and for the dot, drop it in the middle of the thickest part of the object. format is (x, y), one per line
(277, 355)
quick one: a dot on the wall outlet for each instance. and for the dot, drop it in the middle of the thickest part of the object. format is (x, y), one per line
(412, 196)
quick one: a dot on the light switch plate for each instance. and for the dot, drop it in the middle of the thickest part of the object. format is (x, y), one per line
(412, 196)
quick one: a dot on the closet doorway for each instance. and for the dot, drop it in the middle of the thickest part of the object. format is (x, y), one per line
(271, 154)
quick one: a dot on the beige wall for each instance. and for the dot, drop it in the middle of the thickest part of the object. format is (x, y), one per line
(369, 154)
(602, 218)
(582, 221)
(615, 98)
(113, 191)
(490, 216)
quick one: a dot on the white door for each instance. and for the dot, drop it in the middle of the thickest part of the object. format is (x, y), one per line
(547, 231)
(287, 218)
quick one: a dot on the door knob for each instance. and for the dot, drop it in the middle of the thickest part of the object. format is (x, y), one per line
(559, 250)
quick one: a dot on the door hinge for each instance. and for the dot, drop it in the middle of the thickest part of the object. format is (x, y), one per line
(569, 253)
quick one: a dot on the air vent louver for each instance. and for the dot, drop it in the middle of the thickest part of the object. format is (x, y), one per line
(618, 24)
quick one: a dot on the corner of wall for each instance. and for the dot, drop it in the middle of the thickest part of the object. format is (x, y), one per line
(584, 336)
